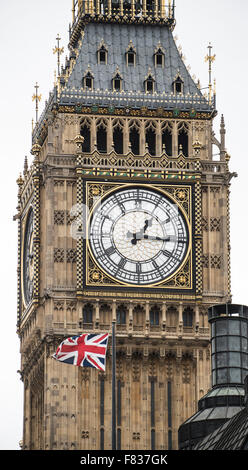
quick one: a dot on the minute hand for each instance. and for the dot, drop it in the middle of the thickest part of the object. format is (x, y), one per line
(169, 238)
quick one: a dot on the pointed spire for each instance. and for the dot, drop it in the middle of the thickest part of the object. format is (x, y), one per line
(222, 138)
(25, 168)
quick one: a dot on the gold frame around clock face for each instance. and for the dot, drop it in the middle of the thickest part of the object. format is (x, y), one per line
(181, 195)
(27, 259)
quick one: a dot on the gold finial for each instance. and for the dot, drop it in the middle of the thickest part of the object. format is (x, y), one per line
(36, 148)
(36, 98)
(59, 51)
(20, 181)
(210, 59)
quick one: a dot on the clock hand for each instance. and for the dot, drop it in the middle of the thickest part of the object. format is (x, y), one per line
(169, 238)
(138, 236)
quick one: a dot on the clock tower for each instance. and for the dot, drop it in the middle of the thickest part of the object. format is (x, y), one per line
(123, 216)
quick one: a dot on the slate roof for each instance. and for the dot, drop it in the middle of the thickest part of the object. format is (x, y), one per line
(218, 406)
(145, 39)
(232, 435)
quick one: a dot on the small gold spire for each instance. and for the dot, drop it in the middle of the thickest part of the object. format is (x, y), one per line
(36, 98)
(59, 51)
(210, 59)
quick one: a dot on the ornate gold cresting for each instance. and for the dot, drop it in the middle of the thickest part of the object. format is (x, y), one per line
(124, 11)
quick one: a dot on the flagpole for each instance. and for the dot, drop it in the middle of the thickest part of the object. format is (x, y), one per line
(113, 388)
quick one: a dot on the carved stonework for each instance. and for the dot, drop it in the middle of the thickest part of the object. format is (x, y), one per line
(216, 261)
(59, 217)
(58, 255)
(215, 224)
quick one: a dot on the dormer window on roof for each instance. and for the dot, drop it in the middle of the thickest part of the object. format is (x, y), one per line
(102, 54)
(178, 85)
(159, 56)
(88, 80)
(149, 83)
(117, 81)
(131, 55)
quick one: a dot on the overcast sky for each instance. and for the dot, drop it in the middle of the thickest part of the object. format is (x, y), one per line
(28, 31)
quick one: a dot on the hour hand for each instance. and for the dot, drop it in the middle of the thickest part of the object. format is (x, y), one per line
(133, 236)
(148, 223)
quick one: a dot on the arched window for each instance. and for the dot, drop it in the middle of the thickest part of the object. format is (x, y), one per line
(85, 132)
(138, 317)
(118, 138)
(149, 84)
(88, 313)
(121, 315)
(134, 138)
(171, 317)
(167, 139)
(154, 316)
(117, 81)
(151, 138)
(188, 317)
(178, 85)
(102, 54)
(159, 56)
(88, 81)
(131, 55)
(183, 140)
(101, 137)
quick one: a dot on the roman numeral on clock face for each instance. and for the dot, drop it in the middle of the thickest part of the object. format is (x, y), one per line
(110, 251)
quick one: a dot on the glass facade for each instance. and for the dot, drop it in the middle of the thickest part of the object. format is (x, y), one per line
(229, 327)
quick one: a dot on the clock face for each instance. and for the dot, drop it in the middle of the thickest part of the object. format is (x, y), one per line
(28, 259)
(138, 236)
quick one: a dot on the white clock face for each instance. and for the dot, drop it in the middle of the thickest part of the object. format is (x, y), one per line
(138, 236)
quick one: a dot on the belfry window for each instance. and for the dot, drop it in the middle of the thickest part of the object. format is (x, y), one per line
(85, 132)
(101, 138)
(151, 139)
(134, 138)
(183, 140)
(167, 140)
(118, 139)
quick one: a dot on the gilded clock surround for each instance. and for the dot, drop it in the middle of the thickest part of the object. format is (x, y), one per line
(181, 195)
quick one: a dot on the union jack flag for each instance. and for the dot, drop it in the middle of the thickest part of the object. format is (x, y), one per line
(86, 350)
